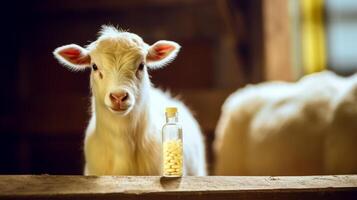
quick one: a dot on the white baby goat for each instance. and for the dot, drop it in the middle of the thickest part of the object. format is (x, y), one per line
(279, 128)
(124, 133)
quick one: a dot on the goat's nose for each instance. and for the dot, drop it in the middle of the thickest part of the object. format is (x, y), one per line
(118, 98)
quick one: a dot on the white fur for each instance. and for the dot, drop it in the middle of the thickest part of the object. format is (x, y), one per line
(129, 142)
(280, 128)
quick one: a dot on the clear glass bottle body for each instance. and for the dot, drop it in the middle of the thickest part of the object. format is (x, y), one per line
(172, 147)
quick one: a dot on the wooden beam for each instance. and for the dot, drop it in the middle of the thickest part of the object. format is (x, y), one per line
(108, 5)
(154, 187)
(276, 40)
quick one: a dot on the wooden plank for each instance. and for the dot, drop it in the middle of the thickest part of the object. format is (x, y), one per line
(277, 41)
(154, 187)
(109, 5)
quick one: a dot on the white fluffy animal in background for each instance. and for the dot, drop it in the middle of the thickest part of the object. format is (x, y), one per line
(278, 128)
(124, 133)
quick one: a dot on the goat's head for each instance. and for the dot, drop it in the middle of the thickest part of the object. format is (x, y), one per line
(118, 62)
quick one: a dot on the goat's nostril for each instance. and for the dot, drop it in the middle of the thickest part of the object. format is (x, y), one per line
(125, 97)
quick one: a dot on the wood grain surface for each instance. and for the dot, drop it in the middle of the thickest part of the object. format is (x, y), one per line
(154, 187)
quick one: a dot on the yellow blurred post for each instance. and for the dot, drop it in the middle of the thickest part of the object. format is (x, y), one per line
(313, 36)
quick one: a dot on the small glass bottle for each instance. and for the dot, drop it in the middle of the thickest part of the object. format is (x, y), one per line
(172, 146)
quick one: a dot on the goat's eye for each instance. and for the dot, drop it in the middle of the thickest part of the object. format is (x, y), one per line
(94, 67)
(141, 67)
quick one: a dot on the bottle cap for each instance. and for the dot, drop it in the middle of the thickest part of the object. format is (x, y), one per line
(171, 111)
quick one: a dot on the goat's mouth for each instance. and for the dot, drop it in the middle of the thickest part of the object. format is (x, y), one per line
(120, 109)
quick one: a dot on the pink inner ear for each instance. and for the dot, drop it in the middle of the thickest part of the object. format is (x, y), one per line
(75, 56)
(160, 51)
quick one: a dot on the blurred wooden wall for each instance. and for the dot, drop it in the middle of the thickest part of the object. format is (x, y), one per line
(44, 107)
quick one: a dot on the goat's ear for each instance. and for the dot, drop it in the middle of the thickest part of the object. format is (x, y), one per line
(161, 53)
(73, 56)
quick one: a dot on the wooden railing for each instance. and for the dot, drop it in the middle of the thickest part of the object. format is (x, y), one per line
(154, 187)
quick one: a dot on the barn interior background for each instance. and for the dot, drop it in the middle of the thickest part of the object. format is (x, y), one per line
(226, 45)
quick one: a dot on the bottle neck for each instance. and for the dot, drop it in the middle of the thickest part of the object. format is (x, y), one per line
(172, 119)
